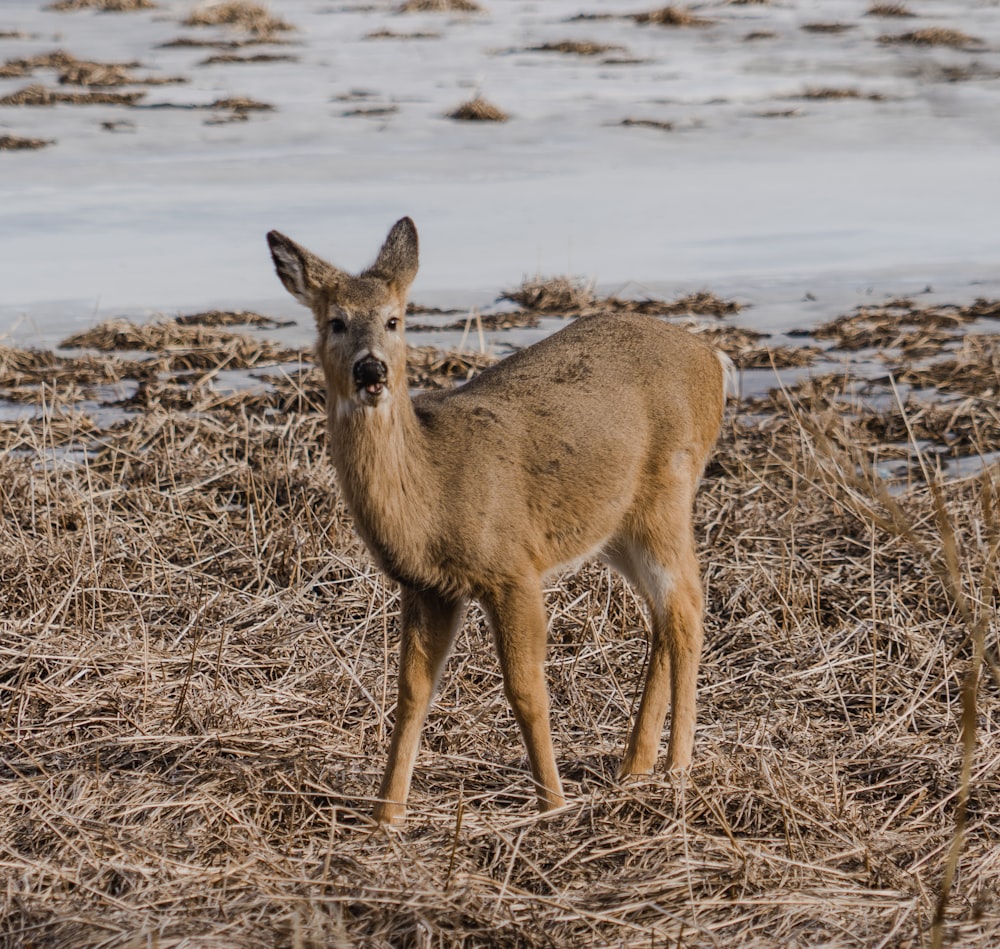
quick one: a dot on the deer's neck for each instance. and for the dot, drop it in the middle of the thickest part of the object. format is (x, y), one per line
(385, 471)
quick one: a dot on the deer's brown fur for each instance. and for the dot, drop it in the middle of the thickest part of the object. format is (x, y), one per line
(590, 442)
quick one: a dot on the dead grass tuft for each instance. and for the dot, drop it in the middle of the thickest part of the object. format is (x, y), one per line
(902, 324)
(440, 6)
(252, 58)
(478, 110)
(393, 35)
(17, 68)
(831, 92)
(576, 48)
(827, 27)
(744, 347)
(660, 124)
(231, 318)
(111, 74)
(15, 143)
(77, 72)
(933, 36)
(241, 105)
(253, 18)
(890, 10)
(36, 95)
(569, 296)
(552, 294)
(184, 346)
(671, 16)
(106, 6)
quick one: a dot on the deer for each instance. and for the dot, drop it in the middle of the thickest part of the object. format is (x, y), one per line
(590, 442)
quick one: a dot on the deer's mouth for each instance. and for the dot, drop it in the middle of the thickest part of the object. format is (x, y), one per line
(370, 376)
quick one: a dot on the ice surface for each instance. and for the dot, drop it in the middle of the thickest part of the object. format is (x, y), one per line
(840, 198)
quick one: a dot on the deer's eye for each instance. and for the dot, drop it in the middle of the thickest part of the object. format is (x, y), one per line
(337, 325)
(392, 325)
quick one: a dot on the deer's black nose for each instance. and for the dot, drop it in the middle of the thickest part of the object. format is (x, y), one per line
(370, 373)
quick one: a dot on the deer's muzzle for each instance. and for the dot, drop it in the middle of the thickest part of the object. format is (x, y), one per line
(370, 375)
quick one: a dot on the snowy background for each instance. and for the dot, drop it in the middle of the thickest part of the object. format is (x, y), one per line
(801, 206)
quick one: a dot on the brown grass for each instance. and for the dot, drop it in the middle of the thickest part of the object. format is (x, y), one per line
(193, 42)
(191, 344)
(660, 124)
(890, 10)
(575, 48)
(106, 6)
(670, 16)
(836, 92)
(440, 6)
(827, 27)
(241, 105)
(111, 74)
(902, 324)
(194, 706)
(16, 143)
(78, 72)
(251, 17)
(933, 36)
(571, 296)
(251, 58)
(231, 318)
(16, 68)
(393, 35)
(36, 95)
(478, 110)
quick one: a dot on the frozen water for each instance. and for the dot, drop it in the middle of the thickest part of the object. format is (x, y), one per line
(755, 191)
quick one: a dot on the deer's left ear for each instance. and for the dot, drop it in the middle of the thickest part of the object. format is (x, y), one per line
(399, 258)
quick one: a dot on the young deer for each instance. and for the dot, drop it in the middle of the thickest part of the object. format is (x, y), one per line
(590, 442)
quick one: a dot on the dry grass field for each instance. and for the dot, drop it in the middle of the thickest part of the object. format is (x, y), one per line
(197, 666)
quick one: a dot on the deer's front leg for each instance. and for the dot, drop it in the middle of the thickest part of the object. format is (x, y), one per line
(520, 629)
(428, 624)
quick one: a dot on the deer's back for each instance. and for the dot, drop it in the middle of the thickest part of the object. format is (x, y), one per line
(573, 433)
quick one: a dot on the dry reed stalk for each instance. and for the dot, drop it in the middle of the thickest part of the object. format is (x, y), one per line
(193, 654)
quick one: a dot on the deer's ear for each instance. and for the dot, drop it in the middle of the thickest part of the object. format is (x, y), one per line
(399, 258)
(301, 271)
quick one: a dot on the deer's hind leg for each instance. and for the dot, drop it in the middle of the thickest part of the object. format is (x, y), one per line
(662, 564)
(428, 626)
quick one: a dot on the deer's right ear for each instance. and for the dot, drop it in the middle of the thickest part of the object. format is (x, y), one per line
(300, 271)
